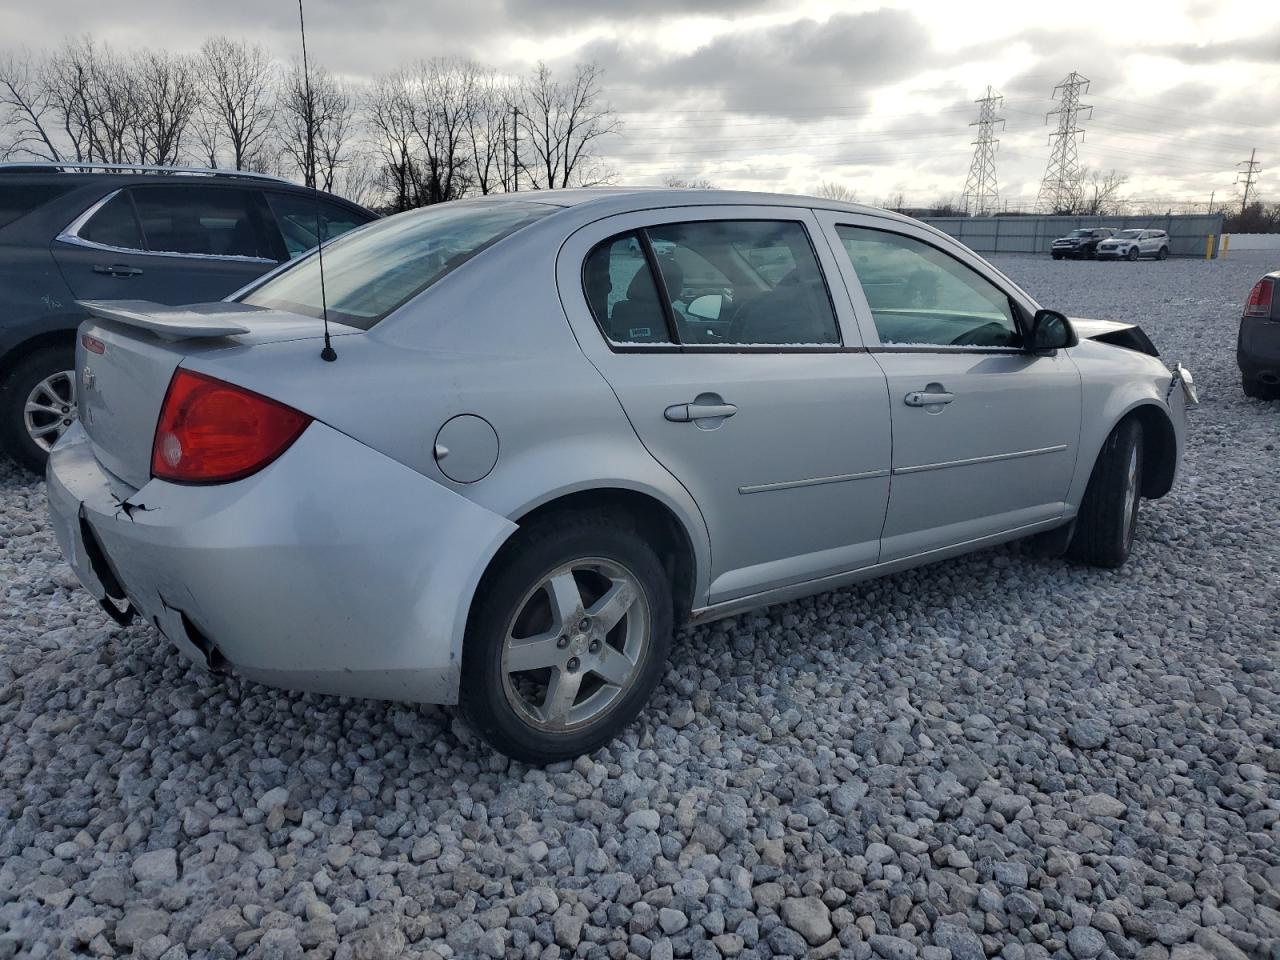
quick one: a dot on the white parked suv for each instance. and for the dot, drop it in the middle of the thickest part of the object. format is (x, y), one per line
(1132, 244)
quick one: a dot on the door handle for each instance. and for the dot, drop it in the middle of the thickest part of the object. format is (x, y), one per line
(923, 398)
(117, 270)
(686, 412)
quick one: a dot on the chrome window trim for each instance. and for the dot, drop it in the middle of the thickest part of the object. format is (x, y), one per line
(71, 234)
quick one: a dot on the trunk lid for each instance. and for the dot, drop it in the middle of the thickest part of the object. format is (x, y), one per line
(127, 353)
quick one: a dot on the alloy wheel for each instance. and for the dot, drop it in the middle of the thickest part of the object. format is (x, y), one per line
(1130, 492)
(50, 408)
(575, 644)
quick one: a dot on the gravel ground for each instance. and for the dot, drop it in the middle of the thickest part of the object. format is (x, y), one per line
(992, 756)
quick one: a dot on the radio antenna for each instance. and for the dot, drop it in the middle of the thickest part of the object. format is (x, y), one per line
(328, 354)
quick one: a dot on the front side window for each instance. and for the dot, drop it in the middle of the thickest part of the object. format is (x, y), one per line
(304, 220)
(721, 282)
(201, 221)
(371, 272)
(920, 296)
(114, 225)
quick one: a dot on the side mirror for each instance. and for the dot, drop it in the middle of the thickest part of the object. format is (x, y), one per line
(706, 307)
(1050, 330)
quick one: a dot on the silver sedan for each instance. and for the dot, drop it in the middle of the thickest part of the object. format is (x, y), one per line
(494, 452)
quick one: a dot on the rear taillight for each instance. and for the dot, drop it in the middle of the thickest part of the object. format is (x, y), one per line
(211, 431)
(1259, 302)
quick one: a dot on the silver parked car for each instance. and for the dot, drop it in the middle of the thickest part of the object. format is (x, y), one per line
(559, 426)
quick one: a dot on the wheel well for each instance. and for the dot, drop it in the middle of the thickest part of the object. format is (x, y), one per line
(1159, 450)
(53, 338)
(648, 517)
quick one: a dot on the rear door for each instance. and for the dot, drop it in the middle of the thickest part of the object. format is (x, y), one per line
(742, 373)
(985, 434)
(169, 243)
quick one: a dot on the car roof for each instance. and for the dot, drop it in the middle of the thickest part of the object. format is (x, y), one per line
(623, 199)
(32, 174)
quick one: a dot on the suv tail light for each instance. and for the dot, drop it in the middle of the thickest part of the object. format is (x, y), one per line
(1259, 302)
(211, 431)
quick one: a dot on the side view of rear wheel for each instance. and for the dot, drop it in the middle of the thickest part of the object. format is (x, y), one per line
(568, 639)
(37, 404)
(1163, 254)
(1108, 517)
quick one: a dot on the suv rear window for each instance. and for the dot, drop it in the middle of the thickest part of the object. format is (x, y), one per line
(17, 200)
(371, 272)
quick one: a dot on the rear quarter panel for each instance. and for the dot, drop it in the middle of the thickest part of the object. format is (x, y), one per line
(492, 340)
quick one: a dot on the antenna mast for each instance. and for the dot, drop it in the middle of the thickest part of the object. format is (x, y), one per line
(328, 354)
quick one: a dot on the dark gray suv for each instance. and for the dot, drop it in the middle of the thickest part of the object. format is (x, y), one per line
(73, 232)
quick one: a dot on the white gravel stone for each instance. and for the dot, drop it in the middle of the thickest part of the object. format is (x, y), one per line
(995, 755)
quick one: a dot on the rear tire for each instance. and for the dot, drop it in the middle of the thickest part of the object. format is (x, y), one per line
(1108, 515)
(48, 375)
(545, 584)
(1163, 254)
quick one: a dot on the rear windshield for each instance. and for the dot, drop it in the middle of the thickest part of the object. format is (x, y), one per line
(18, 199)
(377, 268)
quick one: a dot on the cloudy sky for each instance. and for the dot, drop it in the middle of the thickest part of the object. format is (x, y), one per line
(780, 94)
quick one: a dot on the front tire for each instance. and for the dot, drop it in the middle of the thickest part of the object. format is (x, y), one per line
(1258, 390)
(37, 404)
(1108, 515)
(1132, 255)
(568, 638)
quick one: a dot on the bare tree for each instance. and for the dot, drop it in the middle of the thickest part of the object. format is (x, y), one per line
(562, 124)
(238, 80)
(26, 109)
(833, 190)
(681, 183)
(388, 109)
(315, 124)
(1100, 195)
(444, 94)
(166, 96)
(91, 94)
(488, 133)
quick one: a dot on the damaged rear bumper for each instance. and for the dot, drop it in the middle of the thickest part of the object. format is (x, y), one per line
(335, 569)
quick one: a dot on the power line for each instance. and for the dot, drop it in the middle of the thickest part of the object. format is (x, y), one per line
(981, 189)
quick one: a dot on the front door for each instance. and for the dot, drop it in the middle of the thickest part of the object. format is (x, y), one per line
(721, 339)
(985, 434)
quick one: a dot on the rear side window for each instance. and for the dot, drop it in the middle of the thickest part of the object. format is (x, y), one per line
(303, 220)
(371, 272)
(18, 200)
(114, 225)
(720, 282)
(201, 221)
(620, 290)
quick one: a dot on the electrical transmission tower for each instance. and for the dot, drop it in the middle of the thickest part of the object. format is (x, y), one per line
(1252, 167)
(1063, 179)
(981, 191)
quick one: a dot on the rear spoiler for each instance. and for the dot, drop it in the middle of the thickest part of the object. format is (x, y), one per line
(191, 322)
